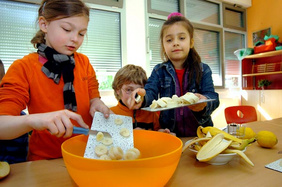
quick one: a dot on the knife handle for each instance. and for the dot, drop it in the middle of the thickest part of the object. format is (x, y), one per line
(80, 130)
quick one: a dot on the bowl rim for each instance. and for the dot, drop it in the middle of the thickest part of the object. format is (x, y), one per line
(140, 159)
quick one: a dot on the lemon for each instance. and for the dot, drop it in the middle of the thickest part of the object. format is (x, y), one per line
(249, 133)
(4, 169)
(266, 139)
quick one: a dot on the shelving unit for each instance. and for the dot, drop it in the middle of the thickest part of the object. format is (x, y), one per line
(266, 65)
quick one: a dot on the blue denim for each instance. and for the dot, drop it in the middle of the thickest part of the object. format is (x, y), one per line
(162, 83)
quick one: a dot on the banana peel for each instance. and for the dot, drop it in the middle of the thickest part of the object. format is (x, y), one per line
(243, 145)
(240, 153)
(194, 141)
(213, 148)
(202, 131)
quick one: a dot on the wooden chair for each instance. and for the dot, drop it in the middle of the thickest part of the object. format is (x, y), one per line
(240, 114)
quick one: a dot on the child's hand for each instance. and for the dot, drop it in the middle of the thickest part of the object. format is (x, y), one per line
(97, 105)
(166, 130)
(58, 123)
(200, 106)
(131, 103)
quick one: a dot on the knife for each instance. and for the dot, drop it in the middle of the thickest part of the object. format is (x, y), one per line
(80, 130)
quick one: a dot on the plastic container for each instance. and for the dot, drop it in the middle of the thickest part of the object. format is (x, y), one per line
(160, 154)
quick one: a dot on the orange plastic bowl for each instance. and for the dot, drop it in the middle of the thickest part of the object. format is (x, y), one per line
(160, 154)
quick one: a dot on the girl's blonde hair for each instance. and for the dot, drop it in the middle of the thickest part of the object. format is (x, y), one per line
(129, 74)
(192, 63)
(58, 9)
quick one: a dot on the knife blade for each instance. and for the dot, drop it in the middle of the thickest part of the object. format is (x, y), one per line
(80, 130)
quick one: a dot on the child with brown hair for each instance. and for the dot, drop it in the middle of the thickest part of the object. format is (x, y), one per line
(182, 71)
(127, 79)
(57, 84)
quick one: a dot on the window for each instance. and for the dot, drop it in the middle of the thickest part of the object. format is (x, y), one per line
(155, 26)
(208, 45)
(16, 30)
(164, 7)
(102, 43)
(233, 41)
(203, 11)
(210, 33)
(234, 17)
(114, 3)
(103, 46)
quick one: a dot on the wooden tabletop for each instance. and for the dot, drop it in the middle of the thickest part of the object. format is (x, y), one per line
(188, 173)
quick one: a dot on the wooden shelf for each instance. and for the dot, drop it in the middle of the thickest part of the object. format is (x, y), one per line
(260, 66)
(262, 55)
(260, 74)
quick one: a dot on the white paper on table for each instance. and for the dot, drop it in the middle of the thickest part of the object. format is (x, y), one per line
(276, 165)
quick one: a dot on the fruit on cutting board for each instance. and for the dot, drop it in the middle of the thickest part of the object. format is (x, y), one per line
(4, 169)
(266, 139)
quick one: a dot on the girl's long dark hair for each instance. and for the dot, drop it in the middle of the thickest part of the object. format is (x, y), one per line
(192, 63)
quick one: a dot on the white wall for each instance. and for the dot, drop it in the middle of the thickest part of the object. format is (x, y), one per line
(135, 21)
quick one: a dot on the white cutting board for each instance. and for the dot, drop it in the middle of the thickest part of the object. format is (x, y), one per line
(100, 123)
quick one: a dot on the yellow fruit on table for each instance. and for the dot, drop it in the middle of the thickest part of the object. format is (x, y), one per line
(4, 169)
(249, 133)
(266, 139)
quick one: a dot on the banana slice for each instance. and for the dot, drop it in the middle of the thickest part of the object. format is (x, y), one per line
(99, 136)
(116, 153)
(107, 141)
(138, 98)
(132, 154)
(105, 157)
(177, 99)
(154, 104)
(101, 150)
(124, 132)
(212, 148)
(171, 104)
(161, 103)
(118, 121)
(166, 99)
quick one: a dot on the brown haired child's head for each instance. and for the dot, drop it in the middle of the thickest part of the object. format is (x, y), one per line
(129, 74)
(175, 19)
(59, 9)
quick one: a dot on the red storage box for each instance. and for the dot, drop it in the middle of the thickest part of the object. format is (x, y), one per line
(269, 45)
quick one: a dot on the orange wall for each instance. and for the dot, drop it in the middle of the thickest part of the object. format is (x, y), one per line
(264, 14)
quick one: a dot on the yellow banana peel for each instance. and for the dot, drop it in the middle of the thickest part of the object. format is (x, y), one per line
(214, 131)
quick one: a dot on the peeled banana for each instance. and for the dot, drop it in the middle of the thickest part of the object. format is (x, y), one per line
(116, 153)
(101, 150)
(124, 132)
(132, 154)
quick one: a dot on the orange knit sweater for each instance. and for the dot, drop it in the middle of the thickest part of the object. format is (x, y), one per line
(25, 85)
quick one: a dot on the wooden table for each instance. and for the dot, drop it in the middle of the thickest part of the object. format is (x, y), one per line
(188, 173)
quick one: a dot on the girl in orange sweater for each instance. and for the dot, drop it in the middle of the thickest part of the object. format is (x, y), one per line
(56, 84)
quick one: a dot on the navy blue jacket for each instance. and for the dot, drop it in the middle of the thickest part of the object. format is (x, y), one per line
(162, 83)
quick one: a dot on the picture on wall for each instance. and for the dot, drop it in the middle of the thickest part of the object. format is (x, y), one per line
(259, 35)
